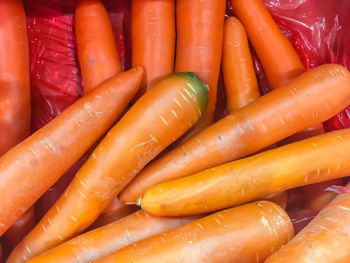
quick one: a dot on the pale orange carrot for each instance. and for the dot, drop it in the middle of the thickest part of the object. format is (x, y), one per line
(110, 238)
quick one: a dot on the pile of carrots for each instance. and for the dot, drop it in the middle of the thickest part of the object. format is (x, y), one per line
(165, 182)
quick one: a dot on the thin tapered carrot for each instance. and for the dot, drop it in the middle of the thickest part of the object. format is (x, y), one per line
(306, 162)
(110, 238)
(325, 240)
(153, 38)
(317, 196)
(237, 66)
(269, 119)
(31, 167)
(115, 211)
(97, 50)
(239, 75)
(199, 27)
(156, 120)
(278, 58)
(248, 233)
(14, 76)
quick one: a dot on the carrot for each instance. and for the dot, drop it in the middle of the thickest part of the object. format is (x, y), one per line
(199, 47)
(271, 118)
(324, 240)
(278, 58)
(115, 211)
(156, 120)
(317, 196)
(21, 227)
(237, 65)
(97, 50)
(110, 238)
(239, 75)
(249, 233)
(306, 162)
(153, 38)
(14, 76)
(35, 164)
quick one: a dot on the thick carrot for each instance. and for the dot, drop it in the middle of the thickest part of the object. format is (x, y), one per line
(21, 227)
(249, 233)
(237, 66)
(199, 47)
(271, 118)
(14, 76)
(317, 196)
(306, 162)
(280, 61)
(153, 38)
(110, 238)
(325, 240)
(97, 50)
(156, 120)
(115, 211)
(31, 167)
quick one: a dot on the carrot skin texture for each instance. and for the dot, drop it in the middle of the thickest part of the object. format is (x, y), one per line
(216, 238)
(97, 50)
(269, 119)
(324, 240)
(306, 162)
(53, 149)
(110, 238)
(199, 47)
(14, 76)
(172, 106)
(278, 58)
(237, 65)
(153, 38)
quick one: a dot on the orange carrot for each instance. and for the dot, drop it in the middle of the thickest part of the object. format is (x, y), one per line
(14, 76)
(97, 50)
(237, 65)
(153, 38)
(271, 118)
(249, 233)
(239, 75)
(306, 162)
(325, 240)
(199, 46)
(156, 120)
(110, 238)
(31, 167)
(317, 196)
(115, 211)
(278, 58)
(20, 228)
